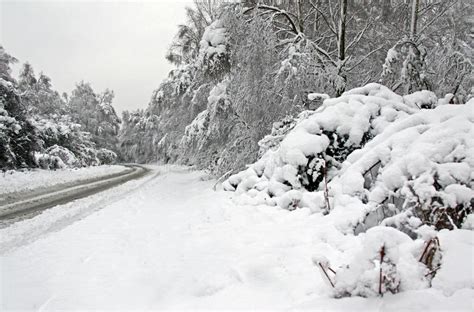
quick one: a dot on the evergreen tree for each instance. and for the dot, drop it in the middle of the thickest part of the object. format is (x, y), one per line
(17, 136)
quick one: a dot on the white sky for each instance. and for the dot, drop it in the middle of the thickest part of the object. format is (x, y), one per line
(111, 44)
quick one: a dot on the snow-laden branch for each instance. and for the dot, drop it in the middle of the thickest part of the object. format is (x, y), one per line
(278, 12)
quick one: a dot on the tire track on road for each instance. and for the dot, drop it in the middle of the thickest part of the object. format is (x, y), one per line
(32, 204)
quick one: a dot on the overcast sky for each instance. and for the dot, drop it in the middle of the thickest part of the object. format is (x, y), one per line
(112, 44)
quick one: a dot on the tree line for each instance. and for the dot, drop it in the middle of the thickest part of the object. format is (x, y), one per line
(243, 66)
(41, 128)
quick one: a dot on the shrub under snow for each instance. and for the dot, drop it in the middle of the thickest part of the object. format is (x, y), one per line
(386, 262)
(381, 165)
(376, 147)
(323, 138)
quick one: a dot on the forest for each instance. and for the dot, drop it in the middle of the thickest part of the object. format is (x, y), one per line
(245, 70)
(40, 128)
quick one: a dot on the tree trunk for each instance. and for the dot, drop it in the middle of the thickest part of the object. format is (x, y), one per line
(414, 18)
(300, 15)
(341, 46)
(342, 30)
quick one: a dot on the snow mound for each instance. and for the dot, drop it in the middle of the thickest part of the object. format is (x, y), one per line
(371, 157)
(422, 166)
(386, 262)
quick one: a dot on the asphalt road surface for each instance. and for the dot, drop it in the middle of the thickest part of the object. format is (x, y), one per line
(26, 205)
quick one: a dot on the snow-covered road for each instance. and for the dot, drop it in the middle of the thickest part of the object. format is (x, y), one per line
(29, 203)
(169, 242)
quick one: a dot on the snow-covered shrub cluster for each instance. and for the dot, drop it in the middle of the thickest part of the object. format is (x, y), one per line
(320, 142)
(378, 149)
(392, 169)
(384, 261)
(64, 144)
(421, 166)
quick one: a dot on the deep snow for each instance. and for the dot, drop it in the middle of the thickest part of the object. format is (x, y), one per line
(170, 242)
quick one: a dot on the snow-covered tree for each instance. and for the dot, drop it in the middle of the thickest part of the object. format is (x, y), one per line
(35, 129)
(37, 93)
(95, 113)
(17, 135)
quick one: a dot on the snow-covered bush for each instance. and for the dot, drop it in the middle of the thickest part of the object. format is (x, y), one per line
(61, 139)
(322, 140)
(196, 131)
(279, 131)
(422, 166)
(57, 157)
(68, 159)
(386, 262)
(374, 157)
(106, 156)
(47, 162)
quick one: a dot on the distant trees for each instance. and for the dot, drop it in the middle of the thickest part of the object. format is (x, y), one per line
(40, 128)
(95, 113)
(36, 93)
(349, 35)
(435, 52)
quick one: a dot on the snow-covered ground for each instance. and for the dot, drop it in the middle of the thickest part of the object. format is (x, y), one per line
(19, 181)
(169, 241)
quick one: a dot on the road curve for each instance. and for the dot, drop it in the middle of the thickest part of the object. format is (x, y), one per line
(23, 205)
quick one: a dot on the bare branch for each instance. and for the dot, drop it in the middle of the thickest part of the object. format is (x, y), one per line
(323, 52)
(359, 35)
(333, 30)
(277, 11)
(364, 58)
(437, 16)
